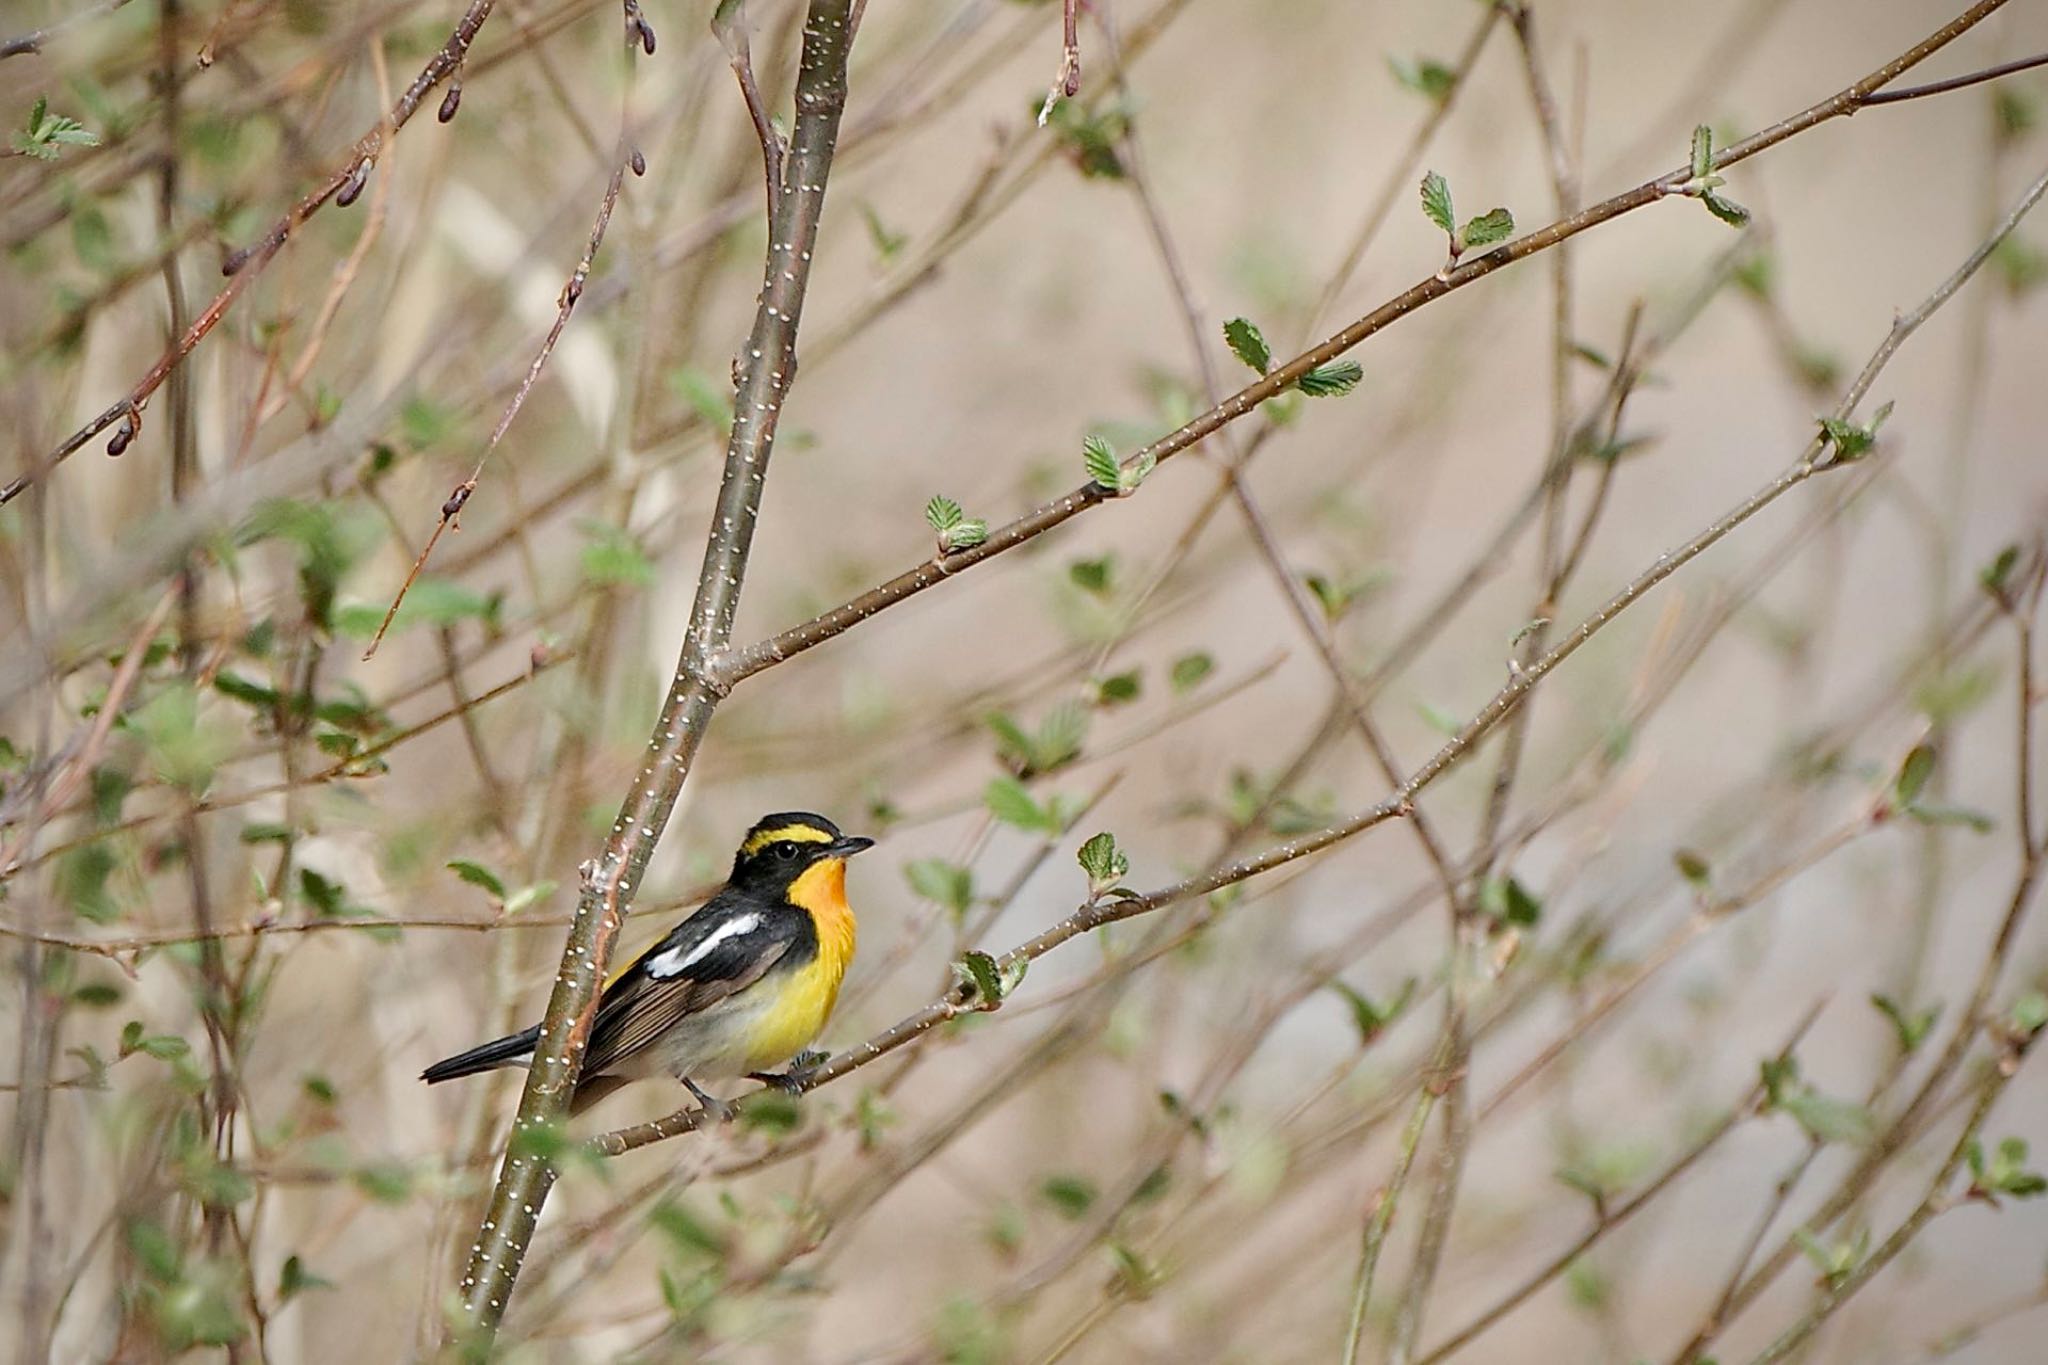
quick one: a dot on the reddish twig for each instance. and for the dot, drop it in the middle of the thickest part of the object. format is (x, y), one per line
(571, 292)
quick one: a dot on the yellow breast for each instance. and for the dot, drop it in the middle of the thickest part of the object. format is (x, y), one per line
(804, 999)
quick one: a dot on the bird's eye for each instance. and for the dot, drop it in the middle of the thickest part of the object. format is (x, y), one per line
(786, 852)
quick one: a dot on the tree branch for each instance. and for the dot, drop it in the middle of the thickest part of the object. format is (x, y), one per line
(765, 370)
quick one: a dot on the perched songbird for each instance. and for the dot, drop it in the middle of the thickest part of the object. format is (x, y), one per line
(738, 988)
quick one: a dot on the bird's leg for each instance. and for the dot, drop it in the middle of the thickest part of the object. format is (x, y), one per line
(715, 1109)
(797, 1078)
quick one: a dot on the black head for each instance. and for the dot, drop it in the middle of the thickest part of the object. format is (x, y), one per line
(779, 847)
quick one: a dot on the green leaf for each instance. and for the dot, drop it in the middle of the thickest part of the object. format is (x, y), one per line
(1094, 576)
(1332, 597)
(1727, 210)
(709, 398)
(1436, 203)
(1913, 774)
(46, 132)
(1508, 901)
(1851, 441)
(476, 874)
(1118, 689)
(971, 532)
(1098, 457)
(944, 883)
(1071, 1195)
(982, 978)
(1828, 1119)
(527, 897)
(1009, 802)
(1104, 863)
(1496, 225)
(1702, 152)
(2029, 1014)
(1248, 344)
(294, 1279)
(387, 1182)
(1190, 669)
(1370, 1019)
(942, 514)
(611, 558)
(1425, 76)
(888, 245)
(1695, 869)
(1333, 380)
(1995, 575)
(1976, 821)
(1910, 1028)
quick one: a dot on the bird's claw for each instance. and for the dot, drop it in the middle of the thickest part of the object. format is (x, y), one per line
(797, 1078)
(715, 1109)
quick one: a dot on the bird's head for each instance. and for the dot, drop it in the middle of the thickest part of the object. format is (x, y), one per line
(781, 848)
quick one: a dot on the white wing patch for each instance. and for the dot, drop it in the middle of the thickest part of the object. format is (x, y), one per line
(678, 960)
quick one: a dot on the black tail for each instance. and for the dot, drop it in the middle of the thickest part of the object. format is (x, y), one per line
(483, 1057)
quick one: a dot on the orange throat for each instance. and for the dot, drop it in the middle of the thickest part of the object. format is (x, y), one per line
(821, 892)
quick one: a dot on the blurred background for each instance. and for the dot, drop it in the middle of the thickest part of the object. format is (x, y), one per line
(251, 882)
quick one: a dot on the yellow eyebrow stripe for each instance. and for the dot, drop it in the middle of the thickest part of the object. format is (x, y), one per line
(795, 834)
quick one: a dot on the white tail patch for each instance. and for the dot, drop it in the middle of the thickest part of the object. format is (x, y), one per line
(676, 960)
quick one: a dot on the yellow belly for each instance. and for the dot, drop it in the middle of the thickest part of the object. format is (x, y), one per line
(802, 1005)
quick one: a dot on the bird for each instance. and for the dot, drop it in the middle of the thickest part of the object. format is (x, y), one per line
(738, 988)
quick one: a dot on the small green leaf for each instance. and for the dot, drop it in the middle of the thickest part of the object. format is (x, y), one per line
(612, 558)
(1828, 1119)
(1425, 76)
(971, 531)
(942, 514)
(1913, 774)
(1093, 576)
(476, 874)
(1497, 225)
(1702, 152)
(1098, 457)
(1436, 202)
(2029, 1014)
(982, 978)
(1726, 209)
(1851, 441)
(1190, 669)
(1011, 803)
(1694, 868)
(1995, 575)
(1508, 901)
(1118, 689)
(1332, 380)
(1371, 1019)
(526, 897)
(944, 883)
(1104, 863)
(1071, 1195)
(1248, 344)
(294, 1279)
(1910, 1028)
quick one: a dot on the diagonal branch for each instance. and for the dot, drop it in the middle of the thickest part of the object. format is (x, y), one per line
(765, 369)
(735, 667)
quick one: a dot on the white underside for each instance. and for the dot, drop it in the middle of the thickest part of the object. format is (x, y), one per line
(706, 1047)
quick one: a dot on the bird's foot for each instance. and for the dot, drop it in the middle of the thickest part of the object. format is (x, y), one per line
(715, 1109)
(797, 1078)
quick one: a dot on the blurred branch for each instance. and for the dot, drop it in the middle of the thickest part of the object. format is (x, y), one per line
(245, 264)
(565, 305)
(732, 668)
(32, 41)
(764, 372)
(1606, 1219)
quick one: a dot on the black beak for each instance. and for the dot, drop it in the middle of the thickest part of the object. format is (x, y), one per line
(846, 845)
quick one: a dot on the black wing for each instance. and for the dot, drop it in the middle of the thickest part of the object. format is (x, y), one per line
(721, 950)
